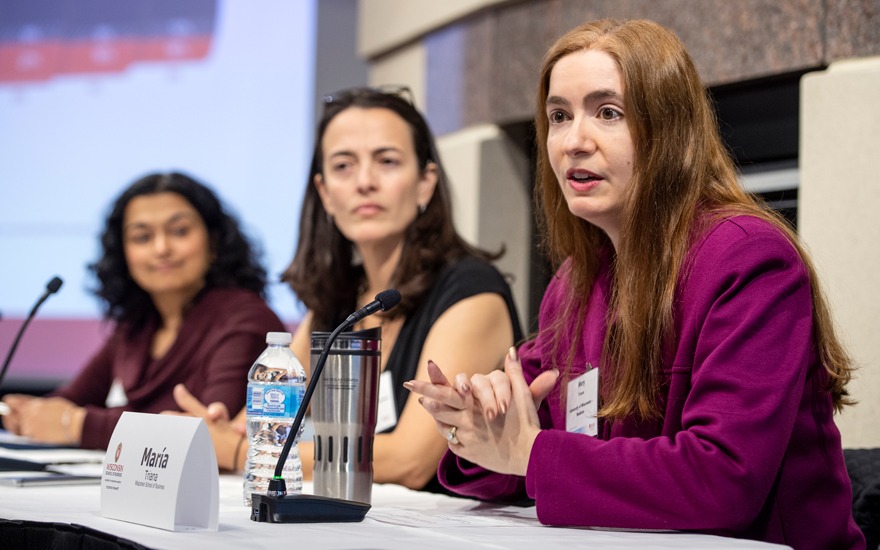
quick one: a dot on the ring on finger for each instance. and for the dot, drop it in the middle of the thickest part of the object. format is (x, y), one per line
(451, 437)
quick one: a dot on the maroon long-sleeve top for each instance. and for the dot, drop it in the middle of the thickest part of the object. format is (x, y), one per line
(221, 335)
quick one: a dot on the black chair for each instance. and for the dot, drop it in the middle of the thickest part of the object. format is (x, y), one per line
(863, 466)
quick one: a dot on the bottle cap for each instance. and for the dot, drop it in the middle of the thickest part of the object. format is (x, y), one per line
(279, 338)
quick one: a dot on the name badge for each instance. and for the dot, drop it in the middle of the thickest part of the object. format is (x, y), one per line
(386, 415)
(583, 404)
(161, 471)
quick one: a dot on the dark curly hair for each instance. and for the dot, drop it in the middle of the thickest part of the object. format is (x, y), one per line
(236, 261)
(322, 273)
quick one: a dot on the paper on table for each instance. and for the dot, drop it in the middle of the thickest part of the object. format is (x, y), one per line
(25, 479)
(413, 518)
(50, 467)
(89, 470)
(55, 456)
(12, 441)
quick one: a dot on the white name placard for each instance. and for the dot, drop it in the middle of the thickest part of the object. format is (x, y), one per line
(161, 471)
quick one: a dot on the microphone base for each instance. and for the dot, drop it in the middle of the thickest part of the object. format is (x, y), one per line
(299, 508)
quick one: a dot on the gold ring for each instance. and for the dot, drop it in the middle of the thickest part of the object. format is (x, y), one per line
(451, 435)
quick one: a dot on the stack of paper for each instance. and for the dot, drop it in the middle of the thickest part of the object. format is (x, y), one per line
(24, 462)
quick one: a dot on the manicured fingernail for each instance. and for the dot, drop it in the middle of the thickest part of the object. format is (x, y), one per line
(503, 409)
(512, 354)
(490, 414)
(408, 385)
(465, 388)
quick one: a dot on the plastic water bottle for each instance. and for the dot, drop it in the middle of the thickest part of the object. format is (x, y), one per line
(276, 384)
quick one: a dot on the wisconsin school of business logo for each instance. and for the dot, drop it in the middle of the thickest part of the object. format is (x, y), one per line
(114, 469)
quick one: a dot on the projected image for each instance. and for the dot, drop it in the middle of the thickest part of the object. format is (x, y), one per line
(95, 94)
(40, 40)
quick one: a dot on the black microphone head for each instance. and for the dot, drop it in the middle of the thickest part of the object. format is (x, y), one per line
(388, 298)
(53, 285)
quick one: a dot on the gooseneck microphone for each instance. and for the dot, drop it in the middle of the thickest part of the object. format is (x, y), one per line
(277, 506)
(384, 301)
(51, 288)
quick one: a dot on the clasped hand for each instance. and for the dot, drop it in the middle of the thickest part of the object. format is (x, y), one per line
(46, 419)
(495, 416)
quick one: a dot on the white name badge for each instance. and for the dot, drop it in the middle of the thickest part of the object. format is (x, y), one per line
(161, 471)
(583, 404)
(386, 413)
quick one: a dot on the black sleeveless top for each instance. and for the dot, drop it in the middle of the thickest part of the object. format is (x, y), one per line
(465, 278)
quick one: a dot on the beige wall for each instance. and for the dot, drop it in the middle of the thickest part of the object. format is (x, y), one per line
(490, 199)
(407, 67)
(839, 219)
(386, 24)
(481, 162)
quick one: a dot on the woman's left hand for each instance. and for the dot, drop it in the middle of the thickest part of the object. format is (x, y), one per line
(225, 434)
(493, 417)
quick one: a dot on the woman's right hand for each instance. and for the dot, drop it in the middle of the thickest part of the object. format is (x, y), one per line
(494, 426)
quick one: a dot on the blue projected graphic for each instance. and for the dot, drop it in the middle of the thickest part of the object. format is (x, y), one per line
(96, 93)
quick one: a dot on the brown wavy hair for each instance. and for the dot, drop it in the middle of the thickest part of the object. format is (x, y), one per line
(682, 171)
(236, 261)
(322, 273)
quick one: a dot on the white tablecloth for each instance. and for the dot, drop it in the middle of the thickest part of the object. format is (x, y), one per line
(399, 519)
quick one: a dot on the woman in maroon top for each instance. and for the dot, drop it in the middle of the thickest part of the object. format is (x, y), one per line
(686, 369)
(184, 288)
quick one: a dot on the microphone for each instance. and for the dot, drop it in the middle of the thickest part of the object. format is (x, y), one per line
(277, 506)
(51, 288)
(384, 301)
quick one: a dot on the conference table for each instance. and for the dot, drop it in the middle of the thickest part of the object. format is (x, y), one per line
(399, 519)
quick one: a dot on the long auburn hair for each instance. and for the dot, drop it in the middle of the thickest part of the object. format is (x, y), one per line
(683, 178)
(323, 274)
(236, 261)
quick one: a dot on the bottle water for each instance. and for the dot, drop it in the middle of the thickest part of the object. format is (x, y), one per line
(276, 384)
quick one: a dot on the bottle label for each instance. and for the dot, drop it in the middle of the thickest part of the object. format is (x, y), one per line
(273, 400)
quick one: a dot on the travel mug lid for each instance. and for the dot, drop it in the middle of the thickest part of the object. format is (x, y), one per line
(368, 340)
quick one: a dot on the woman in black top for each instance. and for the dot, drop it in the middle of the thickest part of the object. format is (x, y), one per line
(377, 215)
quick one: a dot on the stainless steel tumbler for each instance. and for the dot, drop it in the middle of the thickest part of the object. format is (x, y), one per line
(344, 409)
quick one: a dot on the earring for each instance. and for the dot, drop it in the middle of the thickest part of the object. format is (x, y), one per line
(422, 208)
